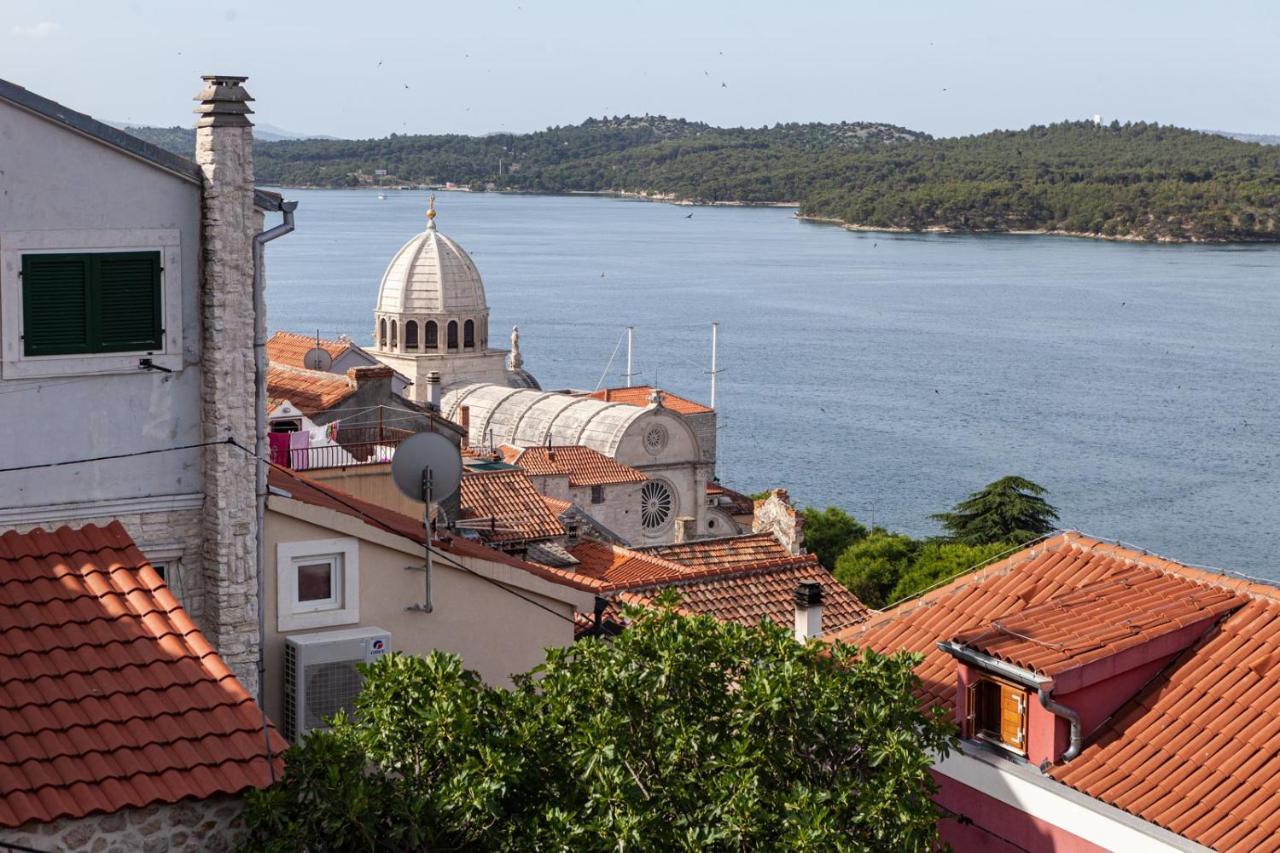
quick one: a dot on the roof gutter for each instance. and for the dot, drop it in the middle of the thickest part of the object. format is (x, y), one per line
(260, 241)
(1039, 683)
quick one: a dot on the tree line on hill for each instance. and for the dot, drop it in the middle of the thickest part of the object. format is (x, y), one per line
(1136, 180)
(884, 568)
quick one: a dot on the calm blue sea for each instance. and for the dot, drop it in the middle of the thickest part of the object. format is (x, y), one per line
(887, 374)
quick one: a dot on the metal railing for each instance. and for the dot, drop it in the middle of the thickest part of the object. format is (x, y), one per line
(354, 446)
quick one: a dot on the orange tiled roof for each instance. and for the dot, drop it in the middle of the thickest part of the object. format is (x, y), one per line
(312, 391)
(739, 504)
(510, 499)
(1196, 751)
(556, 505)
(301, 488)
(110, 697)
(638, 395)
(728, 552)
(583, 465)
(743, 591)
(1130, 607)
(289, 348)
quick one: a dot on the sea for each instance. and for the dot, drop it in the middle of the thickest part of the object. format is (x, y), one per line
(887, 374)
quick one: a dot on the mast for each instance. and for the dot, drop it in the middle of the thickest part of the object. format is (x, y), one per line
(630, 331)
(714, 328)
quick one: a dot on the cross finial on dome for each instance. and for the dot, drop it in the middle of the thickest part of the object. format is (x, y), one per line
(431, 213)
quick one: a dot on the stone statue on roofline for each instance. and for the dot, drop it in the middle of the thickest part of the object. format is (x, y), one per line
(515, 361)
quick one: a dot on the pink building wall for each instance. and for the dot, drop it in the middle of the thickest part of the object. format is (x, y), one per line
(980, 823)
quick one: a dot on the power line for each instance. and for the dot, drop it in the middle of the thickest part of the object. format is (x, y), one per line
(130, 455)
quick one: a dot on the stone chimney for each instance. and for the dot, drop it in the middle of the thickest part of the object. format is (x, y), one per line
(373, 383)
(572, 535)
(775, 515)
(224, 152)
(686, 529)
(464, 421)
(433, 390)
(808, 611)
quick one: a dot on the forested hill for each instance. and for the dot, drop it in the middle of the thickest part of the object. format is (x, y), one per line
(1141, 181)
(689, 159)
(1138, 181)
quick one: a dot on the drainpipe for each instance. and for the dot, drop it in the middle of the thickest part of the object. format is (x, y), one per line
(260, 241)
(1077, 738)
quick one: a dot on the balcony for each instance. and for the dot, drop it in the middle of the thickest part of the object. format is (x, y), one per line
(354, 446)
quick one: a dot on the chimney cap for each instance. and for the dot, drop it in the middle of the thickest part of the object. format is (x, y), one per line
(223, 102)
(808, 594)
(433, 377)
(368, 372)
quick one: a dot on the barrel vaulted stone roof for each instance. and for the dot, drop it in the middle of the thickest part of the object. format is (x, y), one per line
(526, 418)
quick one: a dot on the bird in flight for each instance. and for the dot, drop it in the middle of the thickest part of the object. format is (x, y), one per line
(690, 216)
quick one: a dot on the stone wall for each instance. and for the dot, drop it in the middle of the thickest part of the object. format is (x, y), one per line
(224, 151)
(774, 514)
(185, 827)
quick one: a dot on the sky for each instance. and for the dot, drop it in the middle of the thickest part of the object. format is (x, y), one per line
(369, 69)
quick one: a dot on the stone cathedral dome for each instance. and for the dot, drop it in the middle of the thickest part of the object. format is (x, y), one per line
(431, 274)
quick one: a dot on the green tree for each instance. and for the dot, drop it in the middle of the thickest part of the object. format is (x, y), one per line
(683, 733)
(1009, 510)
(871, 567)
(941, 561)
(829, 532)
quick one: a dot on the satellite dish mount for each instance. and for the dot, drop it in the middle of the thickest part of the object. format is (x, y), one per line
(426, 467)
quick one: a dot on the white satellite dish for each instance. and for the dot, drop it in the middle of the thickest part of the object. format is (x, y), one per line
(427, 467)
(317, 358)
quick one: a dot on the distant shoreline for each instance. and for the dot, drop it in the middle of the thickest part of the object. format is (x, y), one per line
(1029, 232)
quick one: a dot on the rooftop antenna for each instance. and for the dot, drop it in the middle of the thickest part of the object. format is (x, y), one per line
(317, 358)
(630, 332)
(715, 328)
(426, 467)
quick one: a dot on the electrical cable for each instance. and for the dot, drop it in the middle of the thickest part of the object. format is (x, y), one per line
(130, 455)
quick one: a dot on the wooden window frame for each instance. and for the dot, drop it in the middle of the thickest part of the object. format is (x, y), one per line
(16, 364)
(976, 707)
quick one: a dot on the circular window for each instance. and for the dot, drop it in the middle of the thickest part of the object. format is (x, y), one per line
(656, 505)
(655, 439)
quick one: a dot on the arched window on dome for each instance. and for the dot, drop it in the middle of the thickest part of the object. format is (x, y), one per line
(469, 334)
(382, 333)
(452, 339)
(432, 335)
(410, 334)
(393, 334)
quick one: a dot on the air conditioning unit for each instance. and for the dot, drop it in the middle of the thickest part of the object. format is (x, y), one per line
(320, 675)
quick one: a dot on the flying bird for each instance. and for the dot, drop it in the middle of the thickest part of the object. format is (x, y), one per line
(690, 216)
(724, 85)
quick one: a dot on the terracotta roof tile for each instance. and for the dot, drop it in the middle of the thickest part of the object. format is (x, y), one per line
(638, 395)
(583, 465)
(1198, 750)
(518, 511)
(289, 348)
(312, 391)
(737, 502)
(299, 487)
(724, 552)
(109, 695)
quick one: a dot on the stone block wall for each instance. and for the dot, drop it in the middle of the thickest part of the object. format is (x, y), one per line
(186, 827)
(774, 514)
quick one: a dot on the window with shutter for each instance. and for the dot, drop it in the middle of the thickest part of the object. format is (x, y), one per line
(91, 303)
(997, 712)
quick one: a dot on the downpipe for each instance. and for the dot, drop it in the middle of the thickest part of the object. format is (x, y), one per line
(1077, 738)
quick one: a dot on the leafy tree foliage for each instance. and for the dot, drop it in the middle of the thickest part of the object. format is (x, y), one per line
(938, 562)
(871, 567)
(829, 532)
(681, 734)
(1009, 510)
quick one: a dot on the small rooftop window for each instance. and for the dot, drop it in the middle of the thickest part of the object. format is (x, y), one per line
(997, 712)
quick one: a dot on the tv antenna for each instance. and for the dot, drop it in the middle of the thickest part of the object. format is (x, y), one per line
(317, 358)
(426, 467)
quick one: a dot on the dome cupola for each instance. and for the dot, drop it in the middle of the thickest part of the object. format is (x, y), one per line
(431, 299)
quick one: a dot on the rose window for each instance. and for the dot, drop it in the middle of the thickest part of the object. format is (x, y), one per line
(655, 505)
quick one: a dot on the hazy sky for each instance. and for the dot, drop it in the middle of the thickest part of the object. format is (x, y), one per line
(359, 69)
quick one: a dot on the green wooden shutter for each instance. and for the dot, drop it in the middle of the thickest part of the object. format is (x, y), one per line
(55, 304)
(126, 302)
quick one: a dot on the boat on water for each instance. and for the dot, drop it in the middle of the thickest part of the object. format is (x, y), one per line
(382, 196)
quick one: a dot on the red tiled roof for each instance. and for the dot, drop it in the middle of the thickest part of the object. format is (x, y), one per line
(583, 465)
(110, 697)
(743, 590)
(508, 497)
(311, 391)
(1129, 608)
(1197, 751)
(556, 505)
(638, 395)
(289, 348)
(728, 552)
(305, 490)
